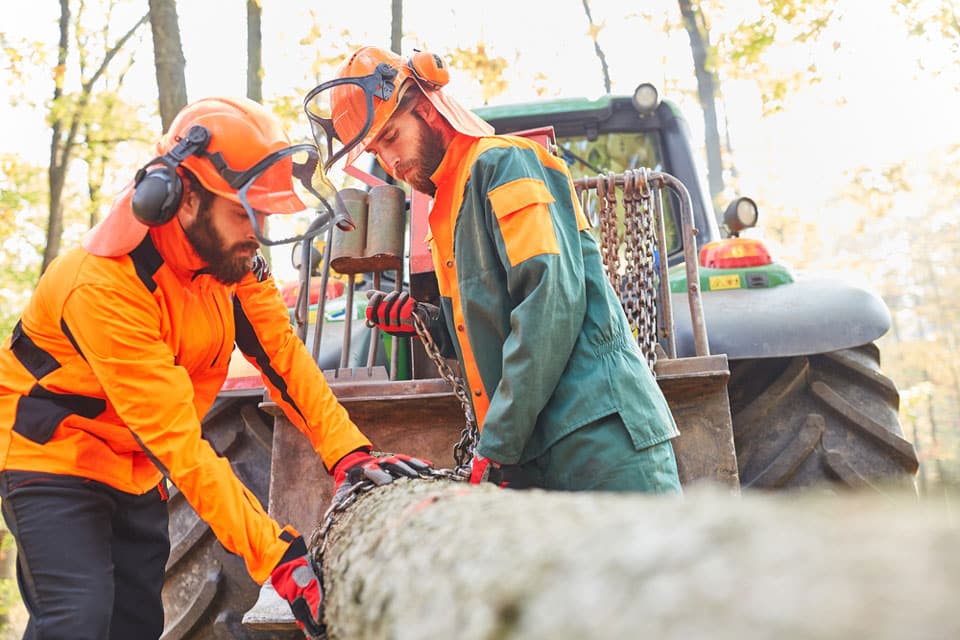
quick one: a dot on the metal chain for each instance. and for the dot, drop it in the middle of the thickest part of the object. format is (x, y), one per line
(340, 504)
(629, 293)
(465, 448)
(646, 242)
(318, 540)
(609, 236)
(636, 287)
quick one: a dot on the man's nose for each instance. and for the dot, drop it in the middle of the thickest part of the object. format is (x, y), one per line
(389, 161)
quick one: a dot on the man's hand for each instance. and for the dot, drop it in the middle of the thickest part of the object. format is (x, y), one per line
(358, 466)
(296, 581)
(480, 469)
(393, 312)
(505, 476)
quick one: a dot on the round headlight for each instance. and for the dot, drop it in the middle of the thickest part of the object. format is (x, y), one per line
(646, 98)
(741, 214)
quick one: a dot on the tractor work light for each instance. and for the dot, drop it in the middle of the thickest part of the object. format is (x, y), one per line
(734, 253)
(740, 214)
(646, 98)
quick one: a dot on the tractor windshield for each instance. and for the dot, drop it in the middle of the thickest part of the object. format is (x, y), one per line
(617, 152)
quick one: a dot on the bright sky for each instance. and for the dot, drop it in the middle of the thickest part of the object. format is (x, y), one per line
(870, 110)
(873, 69)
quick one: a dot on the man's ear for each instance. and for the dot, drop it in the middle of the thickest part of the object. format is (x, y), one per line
(189, 207)
(436, 120)
(425, 109)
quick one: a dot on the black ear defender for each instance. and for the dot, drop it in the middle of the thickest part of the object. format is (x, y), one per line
(429, 69)
(158, 190)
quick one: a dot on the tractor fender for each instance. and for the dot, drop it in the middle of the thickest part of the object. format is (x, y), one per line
(817, 313)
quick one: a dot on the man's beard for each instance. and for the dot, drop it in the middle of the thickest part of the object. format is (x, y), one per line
(429, 155)
(224, 264)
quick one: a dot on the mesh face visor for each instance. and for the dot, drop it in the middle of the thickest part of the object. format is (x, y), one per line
(289, 181)
(342, 112)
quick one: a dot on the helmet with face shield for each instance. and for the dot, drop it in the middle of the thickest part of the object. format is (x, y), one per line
(289, 180)
(236, 149)
(347, 113)
(249, 159)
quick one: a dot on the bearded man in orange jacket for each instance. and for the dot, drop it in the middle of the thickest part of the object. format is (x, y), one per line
(120, 353)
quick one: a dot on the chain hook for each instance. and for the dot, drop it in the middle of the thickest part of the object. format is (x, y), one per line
(611, 180)
(644, 183)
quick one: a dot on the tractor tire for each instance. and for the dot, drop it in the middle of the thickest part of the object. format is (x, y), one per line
(207, 589)
(827, 420)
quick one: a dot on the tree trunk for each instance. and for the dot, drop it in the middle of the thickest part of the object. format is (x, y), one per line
(66, 118)
(168, 59)
(434, 559)
(595, 36)
(255, 83)
(59, 150)
(696, 26)
(254, 51)
(396, 26)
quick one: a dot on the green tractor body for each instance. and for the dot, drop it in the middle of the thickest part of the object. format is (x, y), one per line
(791, 397)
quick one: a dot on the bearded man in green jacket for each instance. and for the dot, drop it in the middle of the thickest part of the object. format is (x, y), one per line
(563, 397)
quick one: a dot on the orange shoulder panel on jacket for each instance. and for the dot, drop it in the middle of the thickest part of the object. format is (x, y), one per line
(522, 210)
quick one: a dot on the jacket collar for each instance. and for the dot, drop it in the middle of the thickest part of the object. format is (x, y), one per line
(450, 166)
(175, 249)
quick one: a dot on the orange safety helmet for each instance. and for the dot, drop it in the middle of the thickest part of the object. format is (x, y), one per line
(243, 132)
(238, 150)
(349, 112)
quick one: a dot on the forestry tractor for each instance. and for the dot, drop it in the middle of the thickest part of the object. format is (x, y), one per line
(773, 376)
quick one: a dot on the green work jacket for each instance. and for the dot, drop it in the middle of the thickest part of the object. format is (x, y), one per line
(542, 340)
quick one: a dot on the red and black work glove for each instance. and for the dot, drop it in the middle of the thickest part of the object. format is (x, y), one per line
(480, 468)
(296, 581)
(393, 312)
(483, 469)
(360, 465)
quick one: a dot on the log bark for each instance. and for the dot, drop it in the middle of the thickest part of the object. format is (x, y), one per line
(434, 559)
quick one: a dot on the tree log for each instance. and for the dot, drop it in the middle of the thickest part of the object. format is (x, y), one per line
(434, 559)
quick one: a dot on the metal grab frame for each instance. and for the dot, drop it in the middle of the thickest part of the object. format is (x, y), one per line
(355, 260)
(643, 184)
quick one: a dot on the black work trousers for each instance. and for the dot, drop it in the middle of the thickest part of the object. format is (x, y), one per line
(90, 558)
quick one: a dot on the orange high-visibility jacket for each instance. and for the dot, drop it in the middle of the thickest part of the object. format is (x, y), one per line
(116, 360)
